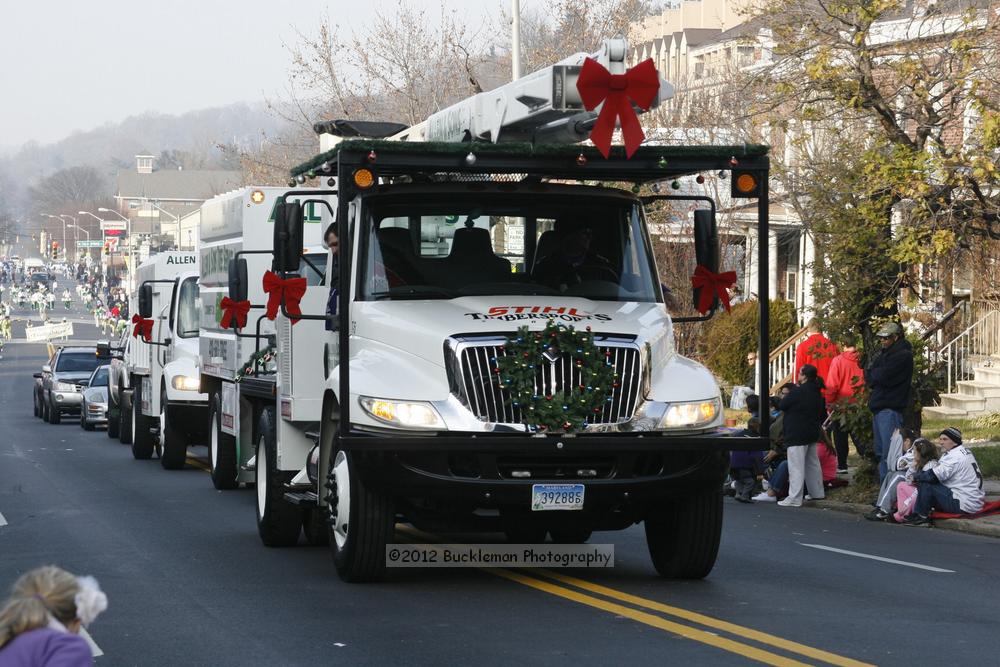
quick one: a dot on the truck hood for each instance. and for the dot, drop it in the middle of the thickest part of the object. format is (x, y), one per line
(420, 327)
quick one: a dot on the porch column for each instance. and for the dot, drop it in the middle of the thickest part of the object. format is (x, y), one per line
(772, 264)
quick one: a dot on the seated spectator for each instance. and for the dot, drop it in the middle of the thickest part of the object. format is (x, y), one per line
(904, 463)
(753, 407)
(746, 467)
(955, 485)
(776, 483)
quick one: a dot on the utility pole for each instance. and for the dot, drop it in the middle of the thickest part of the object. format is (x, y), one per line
(515, 40)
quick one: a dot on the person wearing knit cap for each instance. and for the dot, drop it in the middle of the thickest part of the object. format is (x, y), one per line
(954, 486)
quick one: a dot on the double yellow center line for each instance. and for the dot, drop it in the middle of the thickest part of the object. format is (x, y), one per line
(659, 615)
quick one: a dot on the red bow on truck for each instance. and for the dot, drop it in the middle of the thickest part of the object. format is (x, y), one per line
(712, 285)
(289, 290)
(143, 327)
(596, 84)
(234, 310)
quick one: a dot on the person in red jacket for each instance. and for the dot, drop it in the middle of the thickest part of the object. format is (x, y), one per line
(816, 350)
(844, 382)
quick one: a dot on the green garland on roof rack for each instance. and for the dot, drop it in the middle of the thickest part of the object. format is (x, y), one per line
(521, 148)
(565, 411)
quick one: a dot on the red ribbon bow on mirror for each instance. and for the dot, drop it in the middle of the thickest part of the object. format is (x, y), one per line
(142, 327)
(640, 84)
(234, 310)
(712, 285)
(289, 290)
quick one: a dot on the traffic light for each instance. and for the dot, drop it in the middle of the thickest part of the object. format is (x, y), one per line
(55, 250)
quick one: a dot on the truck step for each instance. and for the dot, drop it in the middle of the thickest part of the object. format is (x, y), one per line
(313, 435)
(302, 498)
(250, 465)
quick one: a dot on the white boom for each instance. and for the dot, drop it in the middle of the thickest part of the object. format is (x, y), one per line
(542, 107)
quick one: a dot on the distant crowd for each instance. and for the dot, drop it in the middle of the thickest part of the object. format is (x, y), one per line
(809, 444)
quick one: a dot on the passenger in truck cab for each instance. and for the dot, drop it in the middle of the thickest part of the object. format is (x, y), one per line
(569, 259)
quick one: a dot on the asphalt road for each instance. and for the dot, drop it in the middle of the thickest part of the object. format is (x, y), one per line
(189, 582)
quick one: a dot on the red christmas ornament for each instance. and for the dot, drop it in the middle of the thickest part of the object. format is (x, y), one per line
(699, 178)
(548, 398)
(525, 355)
(372, 156)
(581, 159)
(733, 161)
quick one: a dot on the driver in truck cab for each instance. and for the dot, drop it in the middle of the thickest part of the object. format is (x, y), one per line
(566, 258)
(332, 242)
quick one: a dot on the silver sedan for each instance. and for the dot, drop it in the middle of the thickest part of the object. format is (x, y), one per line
(94, 408)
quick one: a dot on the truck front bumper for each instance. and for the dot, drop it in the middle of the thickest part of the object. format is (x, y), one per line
(618, 471)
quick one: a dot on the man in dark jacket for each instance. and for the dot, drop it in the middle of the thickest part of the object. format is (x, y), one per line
(888, 377)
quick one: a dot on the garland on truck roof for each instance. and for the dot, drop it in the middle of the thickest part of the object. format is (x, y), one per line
(566, 410)
(257, 360)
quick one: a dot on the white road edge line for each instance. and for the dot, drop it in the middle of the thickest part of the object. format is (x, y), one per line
(94, 648)
(3, 521)
(929, 568)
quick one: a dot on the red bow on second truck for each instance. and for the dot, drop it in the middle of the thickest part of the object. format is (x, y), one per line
(712, 285)
(291, 290)
(596, 84)
(142, 327)
(234, 309)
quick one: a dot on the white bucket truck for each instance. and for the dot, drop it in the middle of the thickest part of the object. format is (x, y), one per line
(164, 405)
(240, 224)
(453, 354)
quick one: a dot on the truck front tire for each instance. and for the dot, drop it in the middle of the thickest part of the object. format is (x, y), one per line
(683, 535)
(173, 441)
(142, 439)
(221, 449)
(278, 521)
(361, 521)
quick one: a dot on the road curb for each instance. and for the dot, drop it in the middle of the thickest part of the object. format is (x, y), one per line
(972, 526)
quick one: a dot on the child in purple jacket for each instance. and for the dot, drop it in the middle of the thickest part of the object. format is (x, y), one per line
(41, 621)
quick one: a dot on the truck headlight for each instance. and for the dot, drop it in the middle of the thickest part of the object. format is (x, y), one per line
(402, 413)
(65, 386)
(690, 415)
(186, 383)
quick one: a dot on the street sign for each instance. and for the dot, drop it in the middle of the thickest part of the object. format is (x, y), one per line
(93, 243)
(111, 225)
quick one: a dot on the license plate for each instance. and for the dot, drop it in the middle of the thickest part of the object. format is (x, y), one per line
(556, 497)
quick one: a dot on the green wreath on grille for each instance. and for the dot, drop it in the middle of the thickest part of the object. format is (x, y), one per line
(568, 410)
(257, 361)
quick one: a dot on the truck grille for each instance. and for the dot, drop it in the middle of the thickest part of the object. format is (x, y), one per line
(480, 391)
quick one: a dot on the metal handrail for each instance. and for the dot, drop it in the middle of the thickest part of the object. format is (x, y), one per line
(782, 361)
(959, 357)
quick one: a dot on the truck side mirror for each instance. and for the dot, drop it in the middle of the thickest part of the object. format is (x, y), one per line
(238, 279)
(104, 350)
(287, 236)
(706, 244)
(146, 301)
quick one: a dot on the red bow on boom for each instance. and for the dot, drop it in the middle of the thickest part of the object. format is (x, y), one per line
(289, 290)
(712, 285)
(143, 327)
(640, 85)
(234, 310)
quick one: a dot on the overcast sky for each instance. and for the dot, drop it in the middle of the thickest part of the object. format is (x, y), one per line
(68, 65)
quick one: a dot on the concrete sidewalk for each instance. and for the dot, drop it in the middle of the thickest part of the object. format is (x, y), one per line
(988, 526)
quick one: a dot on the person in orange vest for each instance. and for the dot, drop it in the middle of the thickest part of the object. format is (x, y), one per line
(816, 350)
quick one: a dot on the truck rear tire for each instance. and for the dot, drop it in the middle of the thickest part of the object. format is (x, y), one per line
(361, 522)
(142, 439)
(113, 421)
(278, 521)
(173, 441)
(683, 535)
(125, 423)
(221, 449)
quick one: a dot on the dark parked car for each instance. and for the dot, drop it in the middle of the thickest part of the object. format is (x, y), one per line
(62, 382)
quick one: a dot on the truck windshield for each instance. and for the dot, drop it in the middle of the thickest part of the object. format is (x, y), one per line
(187, 309)
(77, 362)
(477, 244)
